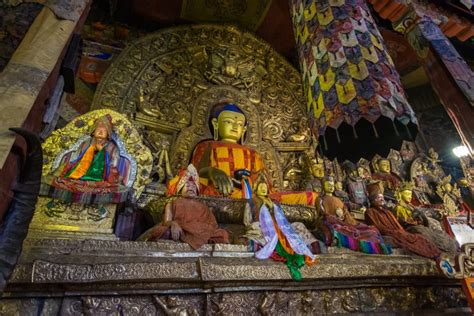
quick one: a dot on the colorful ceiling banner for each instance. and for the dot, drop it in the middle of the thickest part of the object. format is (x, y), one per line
(347, 71)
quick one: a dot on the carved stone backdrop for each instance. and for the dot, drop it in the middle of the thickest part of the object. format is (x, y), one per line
(168, 80)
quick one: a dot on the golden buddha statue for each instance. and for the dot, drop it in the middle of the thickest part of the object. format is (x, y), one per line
(333, 205)
(228, 167)
(317, 173)
(450, 195)
(414, 220)
(344, 228)
(389, 180)
(404, 209)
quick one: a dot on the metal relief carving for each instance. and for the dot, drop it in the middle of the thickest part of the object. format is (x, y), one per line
(51, 214)
(168, 80)
(44, 271)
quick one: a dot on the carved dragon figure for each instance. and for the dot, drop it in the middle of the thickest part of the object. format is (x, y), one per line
(18, 217)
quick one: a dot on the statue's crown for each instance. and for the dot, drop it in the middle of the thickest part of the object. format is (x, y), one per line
(406, 186)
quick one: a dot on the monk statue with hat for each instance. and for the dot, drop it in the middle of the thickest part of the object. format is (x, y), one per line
(186, 219)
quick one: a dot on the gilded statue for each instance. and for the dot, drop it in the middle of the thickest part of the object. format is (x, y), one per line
(147, 104)
(344, 228)
(227, 166)
(302, 135)
(185, 218)
(356, 188)
(433, 164)
(382, 218)
(415, 220)
(87, 161)
(289, 242)
(316, 173)
(333, 205)
(450, 195)
(383, 173)
(363, 170)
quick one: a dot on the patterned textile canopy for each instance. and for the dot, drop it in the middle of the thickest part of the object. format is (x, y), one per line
(347, 71)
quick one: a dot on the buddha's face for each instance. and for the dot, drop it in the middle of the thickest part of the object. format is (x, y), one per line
(328, 186)
(231, 126)
(406, 195)
(360, 172)
(101, 133)
(262, 189)
(384, 166)
(317, 170)
(338, 185)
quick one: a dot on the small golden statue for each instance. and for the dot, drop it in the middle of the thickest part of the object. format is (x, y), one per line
(90, 161)
(383, 173)
(302, 135)
(415, 220)
(450, 194)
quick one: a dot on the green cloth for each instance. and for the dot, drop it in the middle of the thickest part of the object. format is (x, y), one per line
(294, 262)
(96, 169)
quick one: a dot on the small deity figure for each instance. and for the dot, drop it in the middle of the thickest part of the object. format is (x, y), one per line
(333, 205)
(317, 172)
(363, 170)
(356, 187)
(302, 135)
(450, 195)
(287, 242)
(340, 193)
(344, 228)
(382, 218)
(186, 219)
(415, 221)
(390, 180)
(420, 175)
(146, 104)
(226, 166)
(433, 163)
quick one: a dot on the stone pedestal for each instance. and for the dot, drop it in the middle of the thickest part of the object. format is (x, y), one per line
(56, 219)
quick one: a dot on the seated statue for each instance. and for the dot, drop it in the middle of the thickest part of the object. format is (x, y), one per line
(389, 180)
(332, 205)
(316, 174)
(356, 187)
(187, 219)
(278, 239)
(95, 167)
(415, 221)
(382, 218)
(340, 193)
(450, 195)
(344, 228)
(227, 167)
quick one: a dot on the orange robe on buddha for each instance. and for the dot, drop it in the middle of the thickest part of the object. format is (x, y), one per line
(230, 157)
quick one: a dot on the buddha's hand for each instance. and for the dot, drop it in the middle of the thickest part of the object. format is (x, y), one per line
(221, 181)
(176, 231)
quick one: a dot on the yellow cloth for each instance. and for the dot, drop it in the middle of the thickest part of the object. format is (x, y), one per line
(403, 213)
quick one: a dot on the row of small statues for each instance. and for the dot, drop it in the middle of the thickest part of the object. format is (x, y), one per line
(430, 185)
